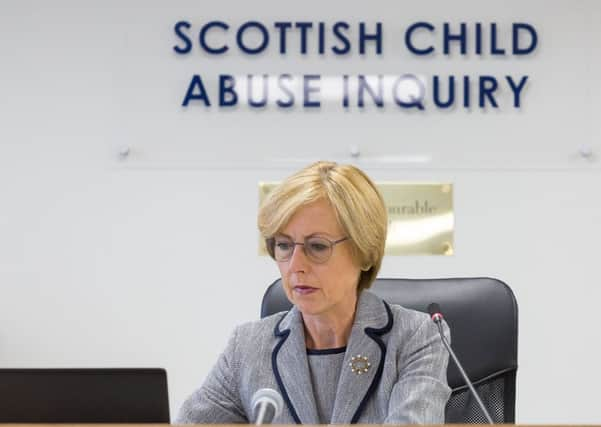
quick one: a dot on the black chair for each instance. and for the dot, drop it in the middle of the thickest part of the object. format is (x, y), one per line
(483, 317)
(83, 396)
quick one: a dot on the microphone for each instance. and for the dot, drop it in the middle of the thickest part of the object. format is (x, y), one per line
(270, 404)
(436, 315)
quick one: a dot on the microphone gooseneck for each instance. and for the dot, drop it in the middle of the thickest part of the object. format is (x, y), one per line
(269, 403)
(436, 315)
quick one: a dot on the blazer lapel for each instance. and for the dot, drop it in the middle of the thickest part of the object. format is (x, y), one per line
(291, 368)
(372, 319)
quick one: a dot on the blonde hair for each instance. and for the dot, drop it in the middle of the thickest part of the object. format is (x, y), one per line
(356, 201)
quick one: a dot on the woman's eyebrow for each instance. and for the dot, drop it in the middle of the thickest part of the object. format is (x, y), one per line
(314, 234)
(320, 233)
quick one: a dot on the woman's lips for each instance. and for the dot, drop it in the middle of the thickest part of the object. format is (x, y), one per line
(304, 290)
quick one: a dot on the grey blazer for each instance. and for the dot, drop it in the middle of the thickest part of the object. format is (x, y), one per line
(405, 384)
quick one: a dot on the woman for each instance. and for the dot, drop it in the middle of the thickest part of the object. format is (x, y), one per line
(340, 355)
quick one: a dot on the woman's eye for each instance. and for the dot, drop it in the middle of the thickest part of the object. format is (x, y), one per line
(318, 247)
(283, 246)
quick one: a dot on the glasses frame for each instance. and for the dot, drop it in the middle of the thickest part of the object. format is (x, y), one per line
(270, 245)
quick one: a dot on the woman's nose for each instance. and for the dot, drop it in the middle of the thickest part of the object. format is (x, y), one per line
(298, 260)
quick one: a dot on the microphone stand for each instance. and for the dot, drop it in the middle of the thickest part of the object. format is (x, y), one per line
(437, 317)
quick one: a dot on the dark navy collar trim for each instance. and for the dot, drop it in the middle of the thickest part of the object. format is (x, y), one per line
(277, 331)
(374, 334)
(317, 352)
(274, 365)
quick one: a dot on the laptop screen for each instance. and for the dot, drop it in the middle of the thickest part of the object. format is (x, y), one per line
(83, 396)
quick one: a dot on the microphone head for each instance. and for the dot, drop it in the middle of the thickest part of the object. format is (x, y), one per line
(435, 312)
(270, 397)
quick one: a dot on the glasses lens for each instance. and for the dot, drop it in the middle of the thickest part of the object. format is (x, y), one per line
(318, 249)
(282, 248)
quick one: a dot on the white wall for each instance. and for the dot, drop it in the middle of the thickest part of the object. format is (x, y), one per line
(152, 261)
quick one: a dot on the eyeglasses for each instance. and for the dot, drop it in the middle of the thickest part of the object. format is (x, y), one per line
(317, 249)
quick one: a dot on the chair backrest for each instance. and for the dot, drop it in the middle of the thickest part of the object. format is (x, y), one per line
(83, 396)
(483, 317)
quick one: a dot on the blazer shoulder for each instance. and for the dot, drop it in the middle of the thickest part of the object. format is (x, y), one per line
(407, 318)
(259, 328)
(409, 323)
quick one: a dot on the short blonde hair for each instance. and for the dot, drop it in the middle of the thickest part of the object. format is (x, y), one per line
(358, 205)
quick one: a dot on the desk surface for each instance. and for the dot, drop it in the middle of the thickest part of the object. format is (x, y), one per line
(275, 425)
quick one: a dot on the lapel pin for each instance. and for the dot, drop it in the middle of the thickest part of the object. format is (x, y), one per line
(359, 364)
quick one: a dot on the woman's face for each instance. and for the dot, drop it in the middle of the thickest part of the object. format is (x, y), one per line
(327, 288)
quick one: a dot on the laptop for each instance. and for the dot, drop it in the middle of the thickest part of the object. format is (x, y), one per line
(84, 396)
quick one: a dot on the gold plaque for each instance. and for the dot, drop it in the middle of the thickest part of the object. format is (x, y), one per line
(420, 217)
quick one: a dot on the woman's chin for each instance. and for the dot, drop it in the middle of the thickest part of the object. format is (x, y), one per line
(309, 308)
